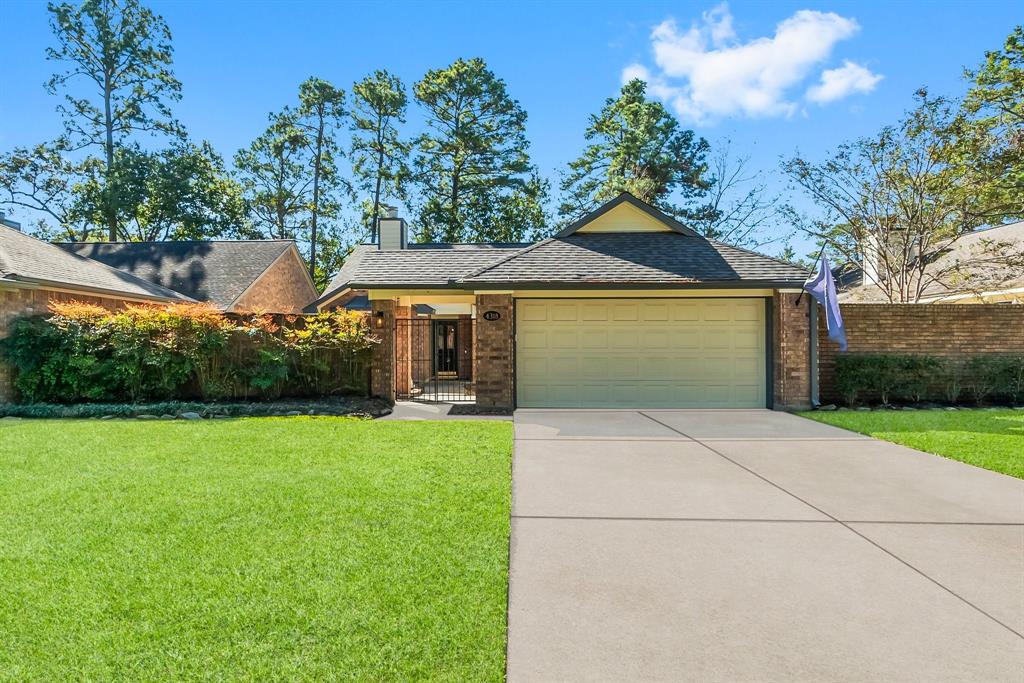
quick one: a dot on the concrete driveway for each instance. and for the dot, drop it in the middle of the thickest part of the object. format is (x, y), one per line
(755, 546)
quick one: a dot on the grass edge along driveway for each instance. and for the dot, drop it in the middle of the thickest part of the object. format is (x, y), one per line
(254, 549)
(988, 438)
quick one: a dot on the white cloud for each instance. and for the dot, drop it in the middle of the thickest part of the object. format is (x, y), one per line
(838, 83)
(706, 72)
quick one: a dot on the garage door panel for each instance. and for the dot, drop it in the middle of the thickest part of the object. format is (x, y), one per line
(686, 311)
(655, 312)
(532, 311)
(654, 338)
(593, 339)
(624, 339)
(563, 338)
(641, 353)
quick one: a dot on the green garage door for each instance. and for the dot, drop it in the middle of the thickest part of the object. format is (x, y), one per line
(644, 353)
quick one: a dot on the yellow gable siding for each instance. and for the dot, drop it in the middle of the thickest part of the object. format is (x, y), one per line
(625, 218)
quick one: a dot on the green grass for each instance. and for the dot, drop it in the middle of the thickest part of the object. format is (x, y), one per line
(253, 549)
(993, 439)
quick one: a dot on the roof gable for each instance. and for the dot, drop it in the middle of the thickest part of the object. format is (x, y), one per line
(626, 213)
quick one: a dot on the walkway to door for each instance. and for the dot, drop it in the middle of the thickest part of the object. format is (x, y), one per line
(750, 545)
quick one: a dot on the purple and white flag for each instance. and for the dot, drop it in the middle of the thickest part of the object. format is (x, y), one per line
(822, 287)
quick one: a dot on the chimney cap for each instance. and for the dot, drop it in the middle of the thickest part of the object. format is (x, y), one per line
(390, 211)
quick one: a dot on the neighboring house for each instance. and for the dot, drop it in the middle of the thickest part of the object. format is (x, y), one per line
(236, 276)
(626, 307)
(985, 266)
(34, 272)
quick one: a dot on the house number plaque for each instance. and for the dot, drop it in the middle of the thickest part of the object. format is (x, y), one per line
(492, 315)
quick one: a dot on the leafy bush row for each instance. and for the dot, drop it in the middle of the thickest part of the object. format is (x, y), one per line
(916, 378)
(83, 352)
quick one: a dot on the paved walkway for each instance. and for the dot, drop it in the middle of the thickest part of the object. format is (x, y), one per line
(755, 546)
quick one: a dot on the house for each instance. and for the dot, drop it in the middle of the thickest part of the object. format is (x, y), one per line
(234, 275)
(626, 307)
(34, 272)
(985, 266)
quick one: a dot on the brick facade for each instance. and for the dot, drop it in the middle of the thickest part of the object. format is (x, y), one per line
(791, 351)
(934, 329)
(494, 373)
(282, 288)
(19, 303)
(382, 365)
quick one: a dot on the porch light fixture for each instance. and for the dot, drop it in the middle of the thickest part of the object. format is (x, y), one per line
(379, 318)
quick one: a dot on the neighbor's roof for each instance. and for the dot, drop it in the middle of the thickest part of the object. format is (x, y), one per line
(667, 258)
(215, 271)
(24, 258)
(967, 264)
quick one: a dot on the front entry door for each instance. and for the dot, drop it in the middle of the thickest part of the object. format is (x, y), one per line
(446, 338)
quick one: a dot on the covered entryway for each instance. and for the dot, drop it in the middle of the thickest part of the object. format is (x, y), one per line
(619, 353)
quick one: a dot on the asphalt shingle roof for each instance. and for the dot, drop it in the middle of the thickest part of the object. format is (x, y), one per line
(583, 259)
(216, 271)
(634, 257)
(25, 258)
(419, 264)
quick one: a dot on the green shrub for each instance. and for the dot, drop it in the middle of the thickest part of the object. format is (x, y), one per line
(995, 376)
(917, 378)
(84, 352)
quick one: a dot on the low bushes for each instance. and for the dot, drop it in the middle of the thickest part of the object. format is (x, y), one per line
(84, 352)
(915, 378)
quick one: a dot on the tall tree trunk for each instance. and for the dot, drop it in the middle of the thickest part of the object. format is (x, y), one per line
(108, 121)
(375, 219)
(316, 196)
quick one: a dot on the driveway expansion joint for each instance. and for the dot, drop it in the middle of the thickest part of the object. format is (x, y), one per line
(845, 524)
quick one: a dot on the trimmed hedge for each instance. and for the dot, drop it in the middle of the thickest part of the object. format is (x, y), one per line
(86, 353)
(879, 377)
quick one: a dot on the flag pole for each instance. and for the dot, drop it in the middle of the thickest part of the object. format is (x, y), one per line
(816, 260)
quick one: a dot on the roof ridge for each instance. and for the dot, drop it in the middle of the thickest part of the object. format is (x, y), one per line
(505, 259)
(177, 241)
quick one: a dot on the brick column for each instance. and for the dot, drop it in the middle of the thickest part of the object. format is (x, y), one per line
(791, 330)
(403, 350)
(495, 374)
(382, 368)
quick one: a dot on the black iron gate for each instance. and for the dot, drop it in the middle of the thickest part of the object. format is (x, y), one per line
(434, 359)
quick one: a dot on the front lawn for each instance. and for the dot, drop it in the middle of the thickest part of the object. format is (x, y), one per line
(258, 549)
(993, 439)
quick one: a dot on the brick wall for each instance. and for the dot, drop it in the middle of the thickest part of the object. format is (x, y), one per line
(791, 348)
(933, 329)
(283, 288)
(494, 374)
(18, 303)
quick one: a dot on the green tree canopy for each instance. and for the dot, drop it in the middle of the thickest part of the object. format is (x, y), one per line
(180, 193)
(118, 81)
(473, 158)
(273, 172)
(991, 131)
(637, 146)
(900, 199)
(378, 152)
(320, 114)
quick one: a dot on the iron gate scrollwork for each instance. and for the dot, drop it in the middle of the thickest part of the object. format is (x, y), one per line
(434, 359)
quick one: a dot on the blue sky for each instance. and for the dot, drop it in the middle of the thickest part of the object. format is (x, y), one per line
(748, 71)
